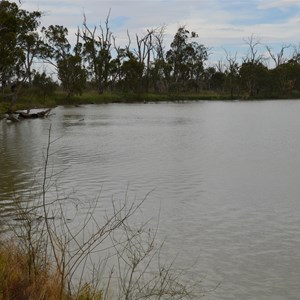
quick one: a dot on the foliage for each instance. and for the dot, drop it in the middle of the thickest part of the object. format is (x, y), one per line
(72, 74)
(43, 85)
(57, 52)
(131, 73)
(146, 67)
(186, 58)
(253, 77)
(20, 42)
(97, 53)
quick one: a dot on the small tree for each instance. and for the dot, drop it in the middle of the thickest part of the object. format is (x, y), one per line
(132, 73)
(43, 85)
(232, 74)
(253, 77)
(71, 74)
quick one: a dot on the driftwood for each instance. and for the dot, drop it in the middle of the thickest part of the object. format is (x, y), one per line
(18, 115)
(12, 117)
(28, 115)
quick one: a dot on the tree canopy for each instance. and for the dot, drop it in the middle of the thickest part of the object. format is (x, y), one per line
(96, 62)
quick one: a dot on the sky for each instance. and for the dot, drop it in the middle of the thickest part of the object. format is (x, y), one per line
(221, 25)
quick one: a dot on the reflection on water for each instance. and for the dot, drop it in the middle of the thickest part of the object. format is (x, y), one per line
(225, 178)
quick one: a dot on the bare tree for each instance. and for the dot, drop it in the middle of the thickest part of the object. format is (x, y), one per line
(149, 47)
(296, 53)
(278, 58)
(220, 66)
(97, 52)
(232, 71)
(252, 55)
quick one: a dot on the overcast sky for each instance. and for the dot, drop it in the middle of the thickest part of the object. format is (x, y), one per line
(220, 24)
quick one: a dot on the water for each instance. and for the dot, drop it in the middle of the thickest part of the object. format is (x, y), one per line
(224, 177)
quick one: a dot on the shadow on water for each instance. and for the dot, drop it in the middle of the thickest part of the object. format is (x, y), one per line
(20, 158)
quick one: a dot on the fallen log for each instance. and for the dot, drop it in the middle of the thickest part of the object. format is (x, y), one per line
(39, 114)
(12, 118)
(18, 115)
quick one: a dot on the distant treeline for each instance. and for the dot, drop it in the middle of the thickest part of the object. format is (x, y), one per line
(96, 62)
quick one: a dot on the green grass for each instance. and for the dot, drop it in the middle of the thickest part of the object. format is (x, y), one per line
(93, 97)
(32, 100)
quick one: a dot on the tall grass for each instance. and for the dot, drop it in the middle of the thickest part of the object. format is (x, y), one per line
(16, 281)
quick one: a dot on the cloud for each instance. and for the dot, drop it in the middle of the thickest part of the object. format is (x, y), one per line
(219, 23)
(281, 4)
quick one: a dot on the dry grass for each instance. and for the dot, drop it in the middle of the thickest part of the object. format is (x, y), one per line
(16, 280)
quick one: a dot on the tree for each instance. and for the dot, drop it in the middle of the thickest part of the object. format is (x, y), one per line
(253, 72)
(252, 55)
(43, 85)
(232, 74)
(253, 77)
(129, 68)
(20, 42)
(71, 74)
(287, 78)
(186, 58)
(97, 53)
(214, 79)
(57, 52)
(278, 58)
(56, 44)
(132, 72)
(160, 70)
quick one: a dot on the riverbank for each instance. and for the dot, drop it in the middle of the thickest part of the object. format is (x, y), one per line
(92, 97)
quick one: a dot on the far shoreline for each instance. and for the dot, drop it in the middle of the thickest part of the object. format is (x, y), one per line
(88, 98)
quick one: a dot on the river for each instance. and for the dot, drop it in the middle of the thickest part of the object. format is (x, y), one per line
(224, 178)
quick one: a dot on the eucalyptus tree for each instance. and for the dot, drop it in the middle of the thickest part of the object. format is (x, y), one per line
(186, 58)
(97, 53)
(232, 74)
(127, 68)
(131, 72)
(19, 42)
(43, 85)
(150, 52)
(67, 61)
(254, 78)
(8, 36)
(214, 79)
(143, 52)
(56, 44)
(278, 58)
(253, 72)
(217, 81)
(71, 74)
(160, 72)
(294, 64)
(287, 78)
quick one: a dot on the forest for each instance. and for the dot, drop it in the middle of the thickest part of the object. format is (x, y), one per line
(96, 63)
